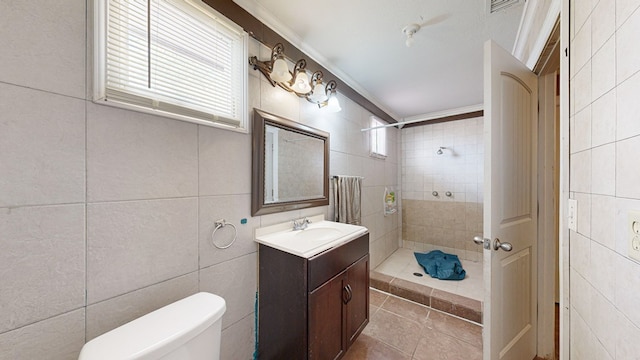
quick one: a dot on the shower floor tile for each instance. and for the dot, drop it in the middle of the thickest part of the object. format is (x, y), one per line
(461, 298)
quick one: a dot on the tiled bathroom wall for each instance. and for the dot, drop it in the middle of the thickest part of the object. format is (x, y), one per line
(106, 214)
(431, 219)
(604, 178)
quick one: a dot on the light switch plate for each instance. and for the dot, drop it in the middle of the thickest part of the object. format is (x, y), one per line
(634, 235)
(572, 214)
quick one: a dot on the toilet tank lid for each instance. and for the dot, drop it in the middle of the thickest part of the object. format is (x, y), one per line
(158, 332)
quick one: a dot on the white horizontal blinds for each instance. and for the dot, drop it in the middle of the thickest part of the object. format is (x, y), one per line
(127, 46)
(186, 62)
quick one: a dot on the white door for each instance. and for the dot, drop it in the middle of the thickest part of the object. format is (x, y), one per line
(510, 206)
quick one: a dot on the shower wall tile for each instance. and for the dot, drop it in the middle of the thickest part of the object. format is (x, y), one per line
(57, 338)
(135, 244)
(48, 55)
(109, 314)
(224, 162)
(442, 222)
(131, 155)
(232, 209)
(236, 281)
(42, 263)
(42, 146)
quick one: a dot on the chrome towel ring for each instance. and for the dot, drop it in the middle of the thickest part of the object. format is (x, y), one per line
(220, 224)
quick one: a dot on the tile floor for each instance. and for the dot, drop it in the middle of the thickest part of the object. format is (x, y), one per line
(402, 264)
(400, 329)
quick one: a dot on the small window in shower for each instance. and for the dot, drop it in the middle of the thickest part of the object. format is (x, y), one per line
(378, 139)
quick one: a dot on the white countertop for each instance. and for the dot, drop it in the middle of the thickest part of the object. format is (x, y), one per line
(320, 235)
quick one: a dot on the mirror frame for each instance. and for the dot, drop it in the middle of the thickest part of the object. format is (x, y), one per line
(258, 205)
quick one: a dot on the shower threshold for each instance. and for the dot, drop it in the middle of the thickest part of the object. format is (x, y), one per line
(396, 275)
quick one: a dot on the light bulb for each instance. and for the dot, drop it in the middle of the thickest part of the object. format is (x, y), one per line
(318, 94)
(280, 72)
(301, 84)
(333, 105)
(409, 41)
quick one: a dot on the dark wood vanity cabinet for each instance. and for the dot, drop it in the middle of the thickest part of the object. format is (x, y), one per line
(312, 308)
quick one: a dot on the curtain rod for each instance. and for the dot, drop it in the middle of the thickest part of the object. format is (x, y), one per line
(336, 176)
(431, 116)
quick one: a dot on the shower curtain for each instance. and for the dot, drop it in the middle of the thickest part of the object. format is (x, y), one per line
(347, 195)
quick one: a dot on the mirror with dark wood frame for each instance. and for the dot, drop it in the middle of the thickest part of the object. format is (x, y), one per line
(290, 165)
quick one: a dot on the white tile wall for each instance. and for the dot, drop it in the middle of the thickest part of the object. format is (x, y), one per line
(132, 155)
(232, 208)
(135, 244)
(60, 337)
(108, 212)
(238, 339)
(235, 284)
(42, 146)
(42, 253)
(603, 23)
(603, 119)
(43, 45)
(458, 170)
(223, 159)
(605, 320)
(109, 314)
(628, 60)
(628, 108)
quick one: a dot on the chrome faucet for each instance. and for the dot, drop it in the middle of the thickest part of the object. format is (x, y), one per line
(301, 224)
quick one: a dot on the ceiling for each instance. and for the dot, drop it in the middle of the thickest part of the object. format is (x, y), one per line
(361, 42)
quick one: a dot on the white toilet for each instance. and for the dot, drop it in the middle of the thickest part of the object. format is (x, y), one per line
(188, 329)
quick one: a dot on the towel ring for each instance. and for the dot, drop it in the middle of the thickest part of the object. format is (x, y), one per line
(220, 224)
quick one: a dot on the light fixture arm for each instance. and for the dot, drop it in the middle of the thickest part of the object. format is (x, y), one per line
(267, 68)
(316, 78)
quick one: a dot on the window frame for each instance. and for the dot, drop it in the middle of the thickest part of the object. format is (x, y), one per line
(172, 111)
(375, 141)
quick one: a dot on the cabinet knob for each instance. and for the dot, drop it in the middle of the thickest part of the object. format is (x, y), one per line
(347, 294)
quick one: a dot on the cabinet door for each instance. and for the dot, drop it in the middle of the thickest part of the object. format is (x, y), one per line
(358, 304)
(327, 338)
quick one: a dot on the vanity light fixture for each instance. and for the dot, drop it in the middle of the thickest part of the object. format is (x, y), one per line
(315, 91)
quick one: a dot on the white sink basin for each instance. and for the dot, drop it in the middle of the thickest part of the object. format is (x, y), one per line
(320, 235)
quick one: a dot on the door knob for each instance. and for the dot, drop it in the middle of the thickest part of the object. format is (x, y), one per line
(486, 243)
(497, 245)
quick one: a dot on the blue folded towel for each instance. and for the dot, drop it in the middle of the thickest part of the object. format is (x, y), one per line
(441, 265)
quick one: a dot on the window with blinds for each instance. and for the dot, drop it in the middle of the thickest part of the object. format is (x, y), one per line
(378, 139)
(177, 58)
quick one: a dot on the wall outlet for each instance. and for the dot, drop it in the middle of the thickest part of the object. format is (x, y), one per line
(634, 235)
(572, 214)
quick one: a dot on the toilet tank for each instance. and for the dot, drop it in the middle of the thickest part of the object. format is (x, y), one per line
(188, 329)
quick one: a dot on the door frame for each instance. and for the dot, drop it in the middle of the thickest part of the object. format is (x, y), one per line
(535, 29)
